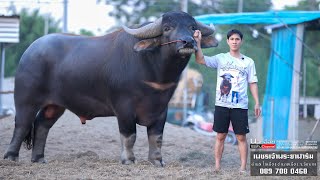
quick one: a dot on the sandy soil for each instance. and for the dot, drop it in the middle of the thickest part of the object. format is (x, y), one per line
(91, 151)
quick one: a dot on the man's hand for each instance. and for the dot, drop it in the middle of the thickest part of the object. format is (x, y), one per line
(197, 36)
(199, 55)
(257, 110)
(254, 92)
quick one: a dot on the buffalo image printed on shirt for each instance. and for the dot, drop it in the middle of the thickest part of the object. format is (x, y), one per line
(230, 85)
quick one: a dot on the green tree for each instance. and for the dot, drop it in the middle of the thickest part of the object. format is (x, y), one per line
(312, 59)
(139, 11)
(231, 6)
(86, 32)
(311, 55)
(31, 28)
(305, 5)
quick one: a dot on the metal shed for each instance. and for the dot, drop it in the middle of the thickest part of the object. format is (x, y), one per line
(9, 33)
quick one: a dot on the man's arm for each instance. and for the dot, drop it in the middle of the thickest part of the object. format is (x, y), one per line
(254, 92)
(199, 55)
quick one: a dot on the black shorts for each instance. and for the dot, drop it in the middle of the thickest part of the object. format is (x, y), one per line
(237, 116)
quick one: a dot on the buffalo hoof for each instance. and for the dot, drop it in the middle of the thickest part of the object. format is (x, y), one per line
(42, 160)
(128, 162)
(39, 159)
(11, 157)
(158, 163)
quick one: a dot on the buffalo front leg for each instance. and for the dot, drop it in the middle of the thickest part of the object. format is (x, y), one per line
(128, 138)
(44, 121)
(155, 134)
(127, 143)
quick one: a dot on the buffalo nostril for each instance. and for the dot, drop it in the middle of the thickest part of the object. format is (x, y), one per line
(188, 41)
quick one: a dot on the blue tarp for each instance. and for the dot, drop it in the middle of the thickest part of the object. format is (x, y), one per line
(270, 17)
(278, 88)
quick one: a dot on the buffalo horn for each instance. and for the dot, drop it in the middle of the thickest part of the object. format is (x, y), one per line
(205, 29)
(148, 31)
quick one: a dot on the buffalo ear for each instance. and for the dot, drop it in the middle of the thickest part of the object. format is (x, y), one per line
(208, 41)
(146, 44)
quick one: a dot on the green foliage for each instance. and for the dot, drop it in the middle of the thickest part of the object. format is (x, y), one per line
(312, 60)
(305, 5)
(231, 6)
(312, 78)
(31, 28)
(86, 32)
(310, 56)
(140, 11)
(137, 11)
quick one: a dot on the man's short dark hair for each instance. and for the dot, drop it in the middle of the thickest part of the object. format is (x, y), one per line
(234, 31)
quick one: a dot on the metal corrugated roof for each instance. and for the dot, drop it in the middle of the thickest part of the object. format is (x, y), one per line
(9, 29)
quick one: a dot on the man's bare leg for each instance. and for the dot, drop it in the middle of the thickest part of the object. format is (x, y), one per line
(243, 149)
(218, 149)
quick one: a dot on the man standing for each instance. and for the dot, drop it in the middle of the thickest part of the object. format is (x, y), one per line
(235, 71)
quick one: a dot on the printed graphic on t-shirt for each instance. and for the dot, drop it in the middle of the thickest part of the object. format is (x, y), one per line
(230, 82)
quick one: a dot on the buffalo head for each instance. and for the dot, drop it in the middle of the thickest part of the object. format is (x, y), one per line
(227, 76)
(173, 29)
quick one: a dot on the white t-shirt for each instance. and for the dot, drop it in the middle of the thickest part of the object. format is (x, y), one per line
(233, 76)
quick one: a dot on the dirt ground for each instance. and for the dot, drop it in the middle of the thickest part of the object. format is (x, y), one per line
(92, 151)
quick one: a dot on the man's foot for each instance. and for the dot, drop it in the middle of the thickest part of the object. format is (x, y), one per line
(243, 171)
(217, 170)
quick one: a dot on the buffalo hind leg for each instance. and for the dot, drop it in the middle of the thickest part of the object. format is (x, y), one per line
(22, 131)
(155, 134)
(44, 121)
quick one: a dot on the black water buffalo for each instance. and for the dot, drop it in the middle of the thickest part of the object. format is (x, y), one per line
(130, 74)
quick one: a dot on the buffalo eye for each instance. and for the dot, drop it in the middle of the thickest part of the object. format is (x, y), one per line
(166, 28)
(193, 28)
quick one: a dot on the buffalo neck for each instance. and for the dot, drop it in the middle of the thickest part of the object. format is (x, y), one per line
(168, 68)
